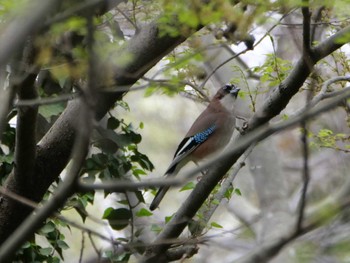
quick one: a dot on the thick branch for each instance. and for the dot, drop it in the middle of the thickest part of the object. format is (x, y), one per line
(25, 150)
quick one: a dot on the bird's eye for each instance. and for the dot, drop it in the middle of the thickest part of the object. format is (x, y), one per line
(227, 87)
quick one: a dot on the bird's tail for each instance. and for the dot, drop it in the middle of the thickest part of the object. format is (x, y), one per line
(159, 196)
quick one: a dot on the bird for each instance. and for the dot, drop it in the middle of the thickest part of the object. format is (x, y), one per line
(209, 134)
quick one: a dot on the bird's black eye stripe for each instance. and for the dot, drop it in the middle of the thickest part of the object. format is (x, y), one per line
(228, 87)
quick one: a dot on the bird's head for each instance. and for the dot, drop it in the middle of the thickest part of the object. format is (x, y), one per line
(228, 89)
(227, 95)
(231, 89)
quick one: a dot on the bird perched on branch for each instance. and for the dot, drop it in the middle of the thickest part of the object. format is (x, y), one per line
(210, 133)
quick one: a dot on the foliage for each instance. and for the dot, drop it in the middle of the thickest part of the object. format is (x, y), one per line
(326, 138)
(62, 57)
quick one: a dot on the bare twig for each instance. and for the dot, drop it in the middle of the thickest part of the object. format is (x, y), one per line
(306, 177)
(304, 140)
(82, 247)
(306, 27)
(240, 53)
(45, 101)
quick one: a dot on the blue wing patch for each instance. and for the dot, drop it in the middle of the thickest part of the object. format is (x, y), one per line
(188, 145)
(203, 136)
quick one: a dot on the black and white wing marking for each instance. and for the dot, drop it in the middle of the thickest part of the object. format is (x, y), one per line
(188, 145)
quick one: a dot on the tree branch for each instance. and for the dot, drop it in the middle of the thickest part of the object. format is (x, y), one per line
(272, 107)
(25, 149)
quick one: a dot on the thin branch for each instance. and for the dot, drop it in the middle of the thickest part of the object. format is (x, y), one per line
(317, 16)
(304, 139)
(220, 65)
(127, 18)
(306, 176)
(45, 101)
(167, 83)
(82, 247)
(242, 52)
(323, 92)
(306, 27)
(338, 22)
(248, 69)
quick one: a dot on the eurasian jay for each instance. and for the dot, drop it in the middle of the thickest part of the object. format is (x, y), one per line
(210, 133)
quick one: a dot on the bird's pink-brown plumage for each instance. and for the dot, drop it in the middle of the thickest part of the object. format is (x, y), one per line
(216, 123)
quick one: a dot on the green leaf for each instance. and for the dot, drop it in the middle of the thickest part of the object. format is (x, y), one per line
(143, 212)
(216, 225)
(325, 133)
(117, 218)
(47, 228)
(285, 117)
(51, 110)
(229, 192)
(168, 218)
(61, 244)
(45, 251)
(113, 123)
(238, 192)
(215, 202)
(156, 228)
(188, 186)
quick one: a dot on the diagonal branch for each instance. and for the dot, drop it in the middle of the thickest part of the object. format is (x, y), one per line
(275, 103)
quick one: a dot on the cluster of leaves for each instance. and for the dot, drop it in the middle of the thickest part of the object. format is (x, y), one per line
(31, 251)
(274, 70)
(115, 157)
(328, 139)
